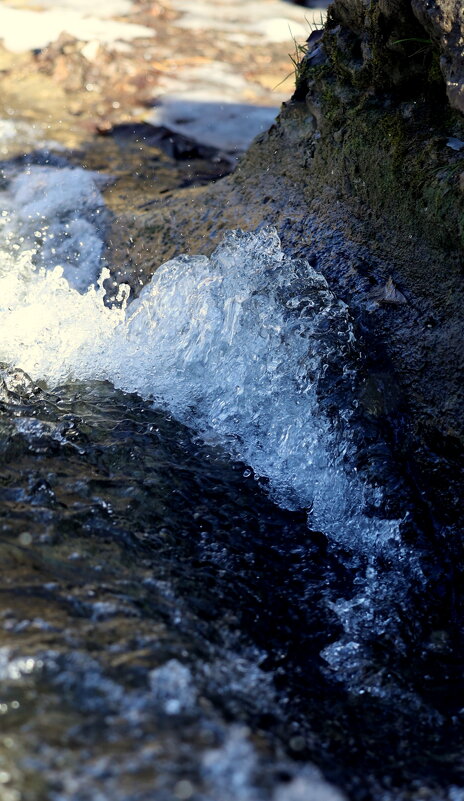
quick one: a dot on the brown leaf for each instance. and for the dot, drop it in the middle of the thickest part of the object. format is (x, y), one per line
(388, 293)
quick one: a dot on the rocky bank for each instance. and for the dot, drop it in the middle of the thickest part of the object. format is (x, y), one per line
(363, 174)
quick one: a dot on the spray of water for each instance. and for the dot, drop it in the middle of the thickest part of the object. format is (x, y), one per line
(237, 346)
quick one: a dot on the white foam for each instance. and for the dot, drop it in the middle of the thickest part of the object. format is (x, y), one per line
(51, 193)
(235, 346)
(62, 210)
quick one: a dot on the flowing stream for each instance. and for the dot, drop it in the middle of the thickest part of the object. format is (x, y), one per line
(215, 577)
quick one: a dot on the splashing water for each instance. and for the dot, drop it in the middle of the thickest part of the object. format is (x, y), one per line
(60, 214)
(237, 346)
(253, 351)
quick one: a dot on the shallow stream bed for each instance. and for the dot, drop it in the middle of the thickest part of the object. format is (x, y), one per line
(218, 581)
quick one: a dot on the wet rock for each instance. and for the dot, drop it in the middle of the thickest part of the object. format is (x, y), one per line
(173, 143)
(358, 163)
(444, 21)
(396, 42)
(455, 144)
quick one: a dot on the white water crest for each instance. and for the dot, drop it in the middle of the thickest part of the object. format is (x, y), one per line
(59, 213)
(237, 346)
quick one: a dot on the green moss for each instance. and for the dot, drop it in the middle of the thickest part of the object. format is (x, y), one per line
(395, 162)
(306, 75)
(338, 62)
(384, 120)
(332, 109)
(376, 43)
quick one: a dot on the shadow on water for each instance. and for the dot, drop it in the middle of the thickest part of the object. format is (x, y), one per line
(310, 3)
(126, 543)
(228, 126)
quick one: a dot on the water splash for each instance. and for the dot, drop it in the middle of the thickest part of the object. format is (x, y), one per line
(241, 346)
(60, 214)
(252, 350)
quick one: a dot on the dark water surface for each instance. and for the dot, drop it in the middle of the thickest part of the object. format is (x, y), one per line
(162, 622)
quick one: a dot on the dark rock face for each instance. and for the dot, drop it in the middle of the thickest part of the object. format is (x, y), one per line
(363, 174)
(396, 39)
(444, 20)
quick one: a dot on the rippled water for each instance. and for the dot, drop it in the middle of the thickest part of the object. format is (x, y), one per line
(124, 647)
(168, 630)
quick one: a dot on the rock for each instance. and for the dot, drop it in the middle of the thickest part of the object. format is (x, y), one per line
(357, 169)
(398, 40)
(455, 144)
(444, 22)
